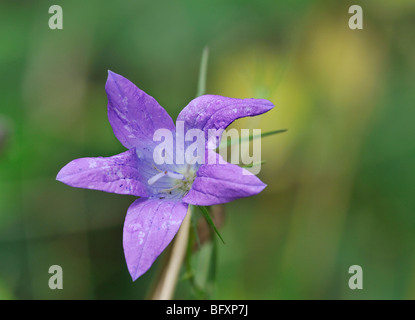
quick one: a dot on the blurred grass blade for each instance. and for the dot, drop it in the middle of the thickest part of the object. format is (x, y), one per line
(210, 221)
(265, 134)
(227, 143)
(201, 86)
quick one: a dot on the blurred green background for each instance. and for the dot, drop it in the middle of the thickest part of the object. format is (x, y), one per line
(340, 181)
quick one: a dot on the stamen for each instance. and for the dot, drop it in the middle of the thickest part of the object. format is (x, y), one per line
(177, 176)
(155, 178)
(161, 174)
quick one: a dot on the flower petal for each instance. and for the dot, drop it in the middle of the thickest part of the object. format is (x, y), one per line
(149, 227)
(116, 174)
(217, 112)
(133, 114)
(221, 183)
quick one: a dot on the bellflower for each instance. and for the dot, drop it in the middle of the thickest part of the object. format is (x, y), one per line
(165, 190)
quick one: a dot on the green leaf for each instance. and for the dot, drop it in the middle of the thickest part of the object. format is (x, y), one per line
(209, 220)
(227, 142)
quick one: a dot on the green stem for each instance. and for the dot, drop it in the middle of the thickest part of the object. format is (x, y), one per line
(201, 87)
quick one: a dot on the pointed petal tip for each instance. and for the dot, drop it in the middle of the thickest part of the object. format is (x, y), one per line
(58, 177)
(134, 271)
(64, 175)
(112, 79)
(64, 178)
(134, 277)
(61, 175)
(265, 103)
(137, 274)
(111, 75)
(268, 104)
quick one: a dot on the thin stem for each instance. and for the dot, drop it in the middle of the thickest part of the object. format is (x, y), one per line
(201, 87)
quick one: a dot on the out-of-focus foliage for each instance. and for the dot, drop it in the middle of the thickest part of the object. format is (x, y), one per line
(340, 180)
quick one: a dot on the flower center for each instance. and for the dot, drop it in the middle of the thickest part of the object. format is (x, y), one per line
(161, 174)
(182, 180)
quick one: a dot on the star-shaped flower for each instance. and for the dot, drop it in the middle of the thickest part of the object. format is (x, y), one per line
(166, 189)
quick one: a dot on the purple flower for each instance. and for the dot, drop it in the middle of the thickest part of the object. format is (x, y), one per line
(166, 190)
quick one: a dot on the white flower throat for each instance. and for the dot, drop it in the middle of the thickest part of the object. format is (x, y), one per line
(182, 180)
